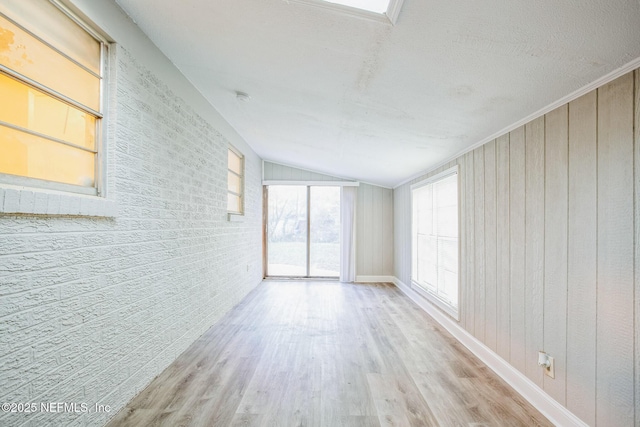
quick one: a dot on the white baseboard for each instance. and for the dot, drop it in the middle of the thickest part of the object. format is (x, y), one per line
(375, 279)
(550, 408)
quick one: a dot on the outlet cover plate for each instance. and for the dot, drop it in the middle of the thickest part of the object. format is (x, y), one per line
(551, 370)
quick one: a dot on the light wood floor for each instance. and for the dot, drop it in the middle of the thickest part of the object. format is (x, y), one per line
(327, 354)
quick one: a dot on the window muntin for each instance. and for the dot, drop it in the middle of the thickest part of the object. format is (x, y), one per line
(38, 61)
(235, 182)
(36, 111)
(51, 89)
(47, 23)
(435, 239)
(36, 157)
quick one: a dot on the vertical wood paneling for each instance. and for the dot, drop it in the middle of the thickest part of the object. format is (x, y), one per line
(402, 244)
(637, 240)
(555, 247)
(293, 174)
(283, 172)
(360, 227)
(462, 240)
(491, 294)
(387, 232)
(469, 217)
(287, 173)
(274, 171)
(615, 388)
(367, 223)
(517, 245)
(297, 174)
(581, 259)
(407, 228)
(277, 171)
(375, 252)
(400, 210)
(502, 247)
(303, 175)
(478, 160)
(534, 246)
(567, 226)
(267, 173)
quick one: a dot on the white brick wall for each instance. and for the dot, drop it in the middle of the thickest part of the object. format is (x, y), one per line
(93, 308)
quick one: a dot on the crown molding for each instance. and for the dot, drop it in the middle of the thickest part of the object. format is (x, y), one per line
(393, 11)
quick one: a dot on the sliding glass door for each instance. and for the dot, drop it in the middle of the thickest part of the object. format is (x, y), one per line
(303, 231)
(324, 245)
(287, 230)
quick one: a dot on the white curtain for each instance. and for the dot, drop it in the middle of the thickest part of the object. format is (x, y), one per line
(348, 198)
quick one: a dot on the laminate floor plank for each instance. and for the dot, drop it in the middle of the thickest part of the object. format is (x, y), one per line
(325, 354)
(246, 420)
(443, 394)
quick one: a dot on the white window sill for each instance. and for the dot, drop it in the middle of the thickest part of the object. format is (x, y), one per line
(28, 200)
(433, 299)
(234, 217)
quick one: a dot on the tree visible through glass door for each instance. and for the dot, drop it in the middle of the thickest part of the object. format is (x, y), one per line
(287, 230)
(303, 231)
(324, 255)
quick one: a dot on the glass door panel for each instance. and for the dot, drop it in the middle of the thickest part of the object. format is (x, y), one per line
(324, 248)
(287, 231)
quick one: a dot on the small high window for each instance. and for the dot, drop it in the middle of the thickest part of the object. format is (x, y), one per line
(235, 182)
(51, 80)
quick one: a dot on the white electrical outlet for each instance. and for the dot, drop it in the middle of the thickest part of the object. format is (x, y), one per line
(546, 362)
(550, 371)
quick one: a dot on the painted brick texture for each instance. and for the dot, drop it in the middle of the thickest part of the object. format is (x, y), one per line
(92, 309)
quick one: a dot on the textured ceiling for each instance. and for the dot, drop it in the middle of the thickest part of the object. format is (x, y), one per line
(363, 99)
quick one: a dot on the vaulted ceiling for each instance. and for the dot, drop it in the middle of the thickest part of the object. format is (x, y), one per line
(368, 100)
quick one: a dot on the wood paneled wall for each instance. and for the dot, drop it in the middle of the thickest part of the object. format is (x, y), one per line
(374, 229)
(549, 226)
(275, 171)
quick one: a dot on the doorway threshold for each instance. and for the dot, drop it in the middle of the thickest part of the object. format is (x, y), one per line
(300, 279)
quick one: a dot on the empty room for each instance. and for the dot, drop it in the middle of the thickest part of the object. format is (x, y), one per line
(319, 213)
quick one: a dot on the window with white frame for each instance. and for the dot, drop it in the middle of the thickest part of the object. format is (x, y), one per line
(376, 6)
(386, 11)
(434, 251)
(51, 81)
(235, 182)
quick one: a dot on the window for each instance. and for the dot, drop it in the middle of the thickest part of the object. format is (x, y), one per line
(386, 11)
(377, 6)
(434, 271)
(51, 80)
(302, 230)
(235, 182)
